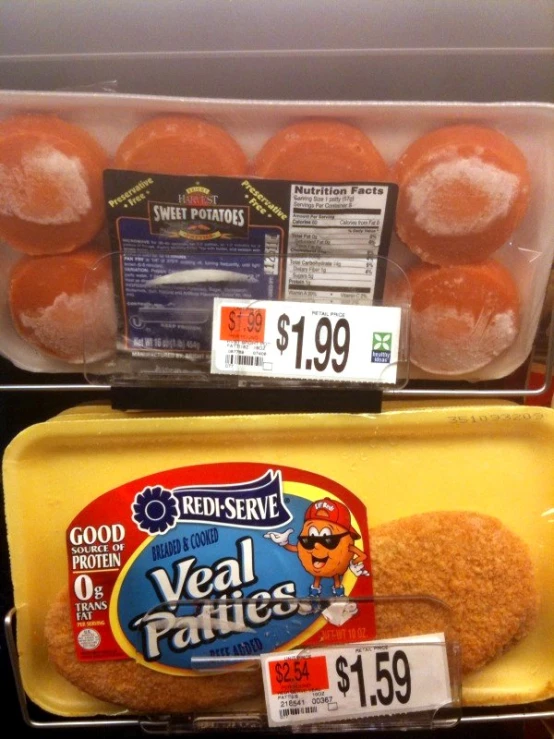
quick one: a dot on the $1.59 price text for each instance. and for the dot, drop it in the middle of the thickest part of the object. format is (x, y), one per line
(376, 678)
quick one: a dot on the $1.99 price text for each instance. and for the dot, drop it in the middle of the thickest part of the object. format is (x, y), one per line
(292, 339)
(242, 324)
(331, 338)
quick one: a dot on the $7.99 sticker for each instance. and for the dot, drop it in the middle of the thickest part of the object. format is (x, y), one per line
(293, 339)
(371, 679)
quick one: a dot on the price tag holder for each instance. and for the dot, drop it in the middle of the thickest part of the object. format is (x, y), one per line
(286, 339)
(349, 682)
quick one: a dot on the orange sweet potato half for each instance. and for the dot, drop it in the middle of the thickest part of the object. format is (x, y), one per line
(463, 192)
(181, 145)
(51, 193)
(462, 317)
(55, 299)
(320, 150)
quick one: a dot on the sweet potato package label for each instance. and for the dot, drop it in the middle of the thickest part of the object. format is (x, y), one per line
(180, 241)
(182, 568)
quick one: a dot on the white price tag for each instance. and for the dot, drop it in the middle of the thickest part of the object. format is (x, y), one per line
(292, 339)
(377, 678)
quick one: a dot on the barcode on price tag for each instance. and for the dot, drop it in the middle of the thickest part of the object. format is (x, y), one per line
(377, 678)
(289, 339)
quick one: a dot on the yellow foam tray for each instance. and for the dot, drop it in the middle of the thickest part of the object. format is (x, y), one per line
(494, 459)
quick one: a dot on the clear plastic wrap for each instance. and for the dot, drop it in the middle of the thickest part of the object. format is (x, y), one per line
(527, 254)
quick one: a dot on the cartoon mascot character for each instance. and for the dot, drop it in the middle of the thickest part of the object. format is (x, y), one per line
(325, 546)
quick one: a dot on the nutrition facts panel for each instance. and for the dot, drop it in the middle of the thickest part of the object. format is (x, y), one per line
(336, 233)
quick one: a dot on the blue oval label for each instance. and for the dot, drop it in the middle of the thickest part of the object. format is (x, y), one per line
(209, 564)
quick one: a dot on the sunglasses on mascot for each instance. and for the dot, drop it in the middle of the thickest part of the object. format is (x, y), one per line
(329, 541)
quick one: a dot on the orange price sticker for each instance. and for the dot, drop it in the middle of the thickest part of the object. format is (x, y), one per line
(298, 675)
(242, 324)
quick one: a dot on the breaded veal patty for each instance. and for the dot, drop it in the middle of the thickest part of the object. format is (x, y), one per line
(473, 563)
(470, 561)
(139, 689)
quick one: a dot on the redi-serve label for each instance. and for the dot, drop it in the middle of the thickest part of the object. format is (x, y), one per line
(219, 560)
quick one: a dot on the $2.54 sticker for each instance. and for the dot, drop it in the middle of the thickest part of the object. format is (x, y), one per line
(351, 681)
(319, 341)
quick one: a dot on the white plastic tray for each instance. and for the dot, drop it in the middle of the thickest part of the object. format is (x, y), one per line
(391, 126)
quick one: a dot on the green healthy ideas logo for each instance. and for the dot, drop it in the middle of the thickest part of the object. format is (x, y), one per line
(381, 347)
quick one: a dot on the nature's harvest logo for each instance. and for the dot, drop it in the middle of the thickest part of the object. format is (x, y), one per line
(198, 216)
